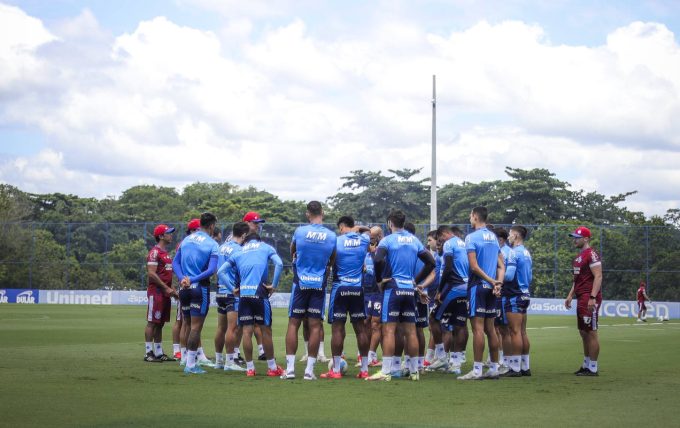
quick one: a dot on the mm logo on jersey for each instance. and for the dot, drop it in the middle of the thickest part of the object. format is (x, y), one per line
(251, 246)
(197, 238)
(405, 239)
(316, 236)
(487, 236)
(26, 297)
(352, 242)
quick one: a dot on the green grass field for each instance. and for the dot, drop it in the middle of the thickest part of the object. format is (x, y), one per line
(82, 366)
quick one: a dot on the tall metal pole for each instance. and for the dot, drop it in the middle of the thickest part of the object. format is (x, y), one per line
(433, 179)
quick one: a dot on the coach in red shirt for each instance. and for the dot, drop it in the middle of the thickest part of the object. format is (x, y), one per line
(159, 291)
(587, 287)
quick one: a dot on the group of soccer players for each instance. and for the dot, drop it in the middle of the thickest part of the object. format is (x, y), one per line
(389, 287)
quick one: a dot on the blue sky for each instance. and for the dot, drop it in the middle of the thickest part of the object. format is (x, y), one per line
(532, 82)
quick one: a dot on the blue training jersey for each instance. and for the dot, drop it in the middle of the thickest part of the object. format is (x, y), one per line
(484, 244)
(518, 273)
(196, 251)
(505, 250)
(438, 268)
(455, 254)
(314, 245)
(251, 268)
(226, 277)
(368, 280)
(402, 250)
(350, 254)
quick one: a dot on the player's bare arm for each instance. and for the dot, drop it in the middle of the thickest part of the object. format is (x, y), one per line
(597, 285)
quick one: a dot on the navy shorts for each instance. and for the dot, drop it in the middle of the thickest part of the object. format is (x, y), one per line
(452, 312)
(500, 319)
(346, 299)
(226, 303)
(254, 310)
(482, 301)
(399, 305)
(515, 304)
(372, 304)
(306, 302)
(200, 300)
(185, 301)
(422, 312)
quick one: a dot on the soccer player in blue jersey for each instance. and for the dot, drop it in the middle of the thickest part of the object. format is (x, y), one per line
(312, 251)
(515, 298)
(484, 285)
(253, 289)
(500, 321)
(434, 248)
(395, 263)
(228, 333)
(451, 306)
(372, 299)
(347, 295)
(194, 264)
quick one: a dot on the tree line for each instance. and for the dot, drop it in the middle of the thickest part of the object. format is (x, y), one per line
(65, 241)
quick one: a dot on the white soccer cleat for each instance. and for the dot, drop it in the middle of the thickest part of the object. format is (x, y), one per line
(322, 359)
(205, 363)
(303, 358)
(288, 375)
(453, 369)
(233, 368)
(439, 364)
(470, 376)
(379, 376)
(309, 376)
(491, 374)
(503, 370)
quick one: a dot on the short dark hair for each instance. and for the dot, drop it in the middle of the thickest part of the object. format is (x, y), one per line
(442, 230)
(207, 220)
(158, 239)
(456, 231)
(217, 232)
(410, 227)
(432, 234)
(240, 229)
(346, 220)
(251, 236)
(523, 232)
(481, 213)
(314, 208)
(397, 217)
(501, 232)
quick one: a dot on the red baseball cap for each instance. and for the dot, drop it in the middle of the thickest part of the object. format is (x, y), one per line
(580, 232)
(194, 224)
(162, 229)
(253, 216)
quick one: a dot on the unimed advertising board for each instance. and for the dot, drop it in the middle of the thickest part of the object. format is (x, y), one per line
(610, 308)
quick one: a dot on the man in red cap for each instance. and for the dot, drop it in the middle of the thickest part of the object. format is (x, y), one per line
(254, 221)
(158, 292)
(587, 287)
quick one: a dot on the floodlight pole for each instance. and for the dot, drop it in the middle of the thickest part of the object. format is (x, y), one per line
(433, 178)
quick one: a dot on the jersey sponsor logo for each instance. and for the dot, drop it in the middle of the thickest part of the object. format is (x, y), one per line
(405, 239)
(350, 293)
(404, 293)
(299, 311)
(350, 279)
(3, 296)
(488, 236)
(316, 236)
(245, 317)
(314, 310)
(197, 238)
(339, 315)
(251, 246)
(408, 314)
(249, 287)
(394, 313)
(357, 315)
(26, 297)
(352, 243)
(310, 278)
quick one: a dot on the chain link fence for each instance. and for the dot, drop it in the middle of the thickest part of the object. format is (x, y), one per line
(82, 256)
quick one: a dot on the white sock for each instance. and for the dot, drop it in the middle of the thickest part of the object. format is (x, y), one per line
(184, 354)
(219, 358)
(364, 363)
(413, 366)
(456, 358)
(429, 354)
(477, 368)
(250, 365)
(306, 347)
(387, 365)
(260, 349)
(514, 363)
(191, 359)
(439, 351)
(290, 363)
(525, 362)
(200, 354)
(372, 355)
(501, 358)
(230, 358)
(236, 351)
(336, 364)
(175, 348)
(271, 364)
(310, 365)
(421, 362)
(396, 364)
(586, 362)
(593, 366)
(494, 367)
(407, 362)
(321, 351)
(158, 349)
(148, 346)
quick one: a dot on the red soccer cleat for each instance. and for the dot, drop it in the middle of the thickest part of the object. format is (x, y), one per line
(426, 363)
(250, 373)
(362, 375)
(275, 373)
(374, 363)
(331, 375)
(178, 355)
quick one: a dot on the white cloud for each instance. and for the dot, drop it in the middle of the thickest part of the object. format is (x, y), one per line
(291, 113)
